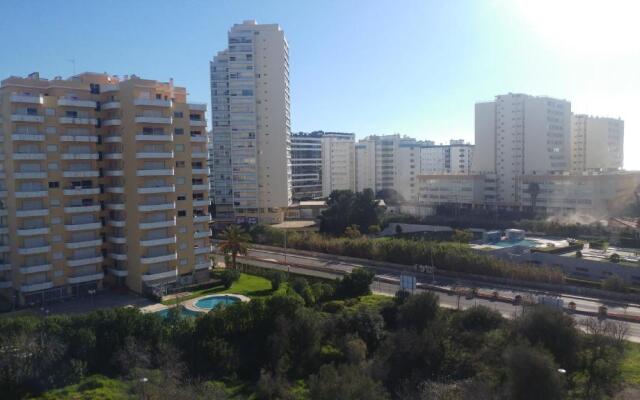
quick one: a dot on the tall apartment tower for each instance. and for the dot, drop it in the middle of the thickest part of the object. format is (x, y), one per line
(103, 180)
(597, 144)
(454, 158)
(518, 134)
(338, 162)
(306, 165)
(251, 125)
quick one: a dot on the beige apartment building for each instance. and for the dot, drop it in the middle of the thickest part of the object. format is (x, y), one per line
(103, 181)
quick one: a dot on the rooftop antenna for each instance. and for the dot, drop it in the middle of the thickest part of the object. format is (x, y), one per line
(73, 62)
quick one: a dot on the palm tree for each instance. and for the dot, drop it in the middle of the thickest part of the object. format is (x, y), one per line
(234, 242)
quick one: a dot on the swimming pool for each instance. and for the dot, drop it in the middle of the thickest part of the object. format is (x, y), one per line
(182, 313)
(211, 302)
(523, 242)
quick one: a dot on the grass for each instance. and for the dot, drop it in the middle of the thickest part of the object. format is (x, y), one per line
(247, 285)
(95, 387)
(630, 367)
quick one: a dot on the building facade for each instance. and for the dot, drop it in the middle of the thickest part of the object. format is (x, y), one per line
(338, 162)
(597, 143)
(454, 158)
(104, 179)
(251, 125)
(306, 165)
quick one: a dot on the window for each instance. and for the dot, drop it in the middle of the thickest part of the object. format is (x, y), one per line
(183, 261)
(50, 130)
(182, 197)
(179, 164)
(54, 202)
(58, 255)
(56, 221)
(52, 148)
(56, 238)
(52, 166)
(178, 114)
(50, 111)
(182, 246)
(180, 180)
(53, 185)
(182, 213)
(182, 229)
(179, 131)
(179, 147)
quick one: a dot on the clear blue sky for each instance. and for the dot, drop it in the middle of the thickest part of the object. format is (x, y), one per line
(414, 67)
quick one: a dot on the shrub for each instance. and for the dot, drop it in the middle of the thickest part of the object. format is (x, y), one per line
(614, 258)
(356, 283)
(615, 284)
(374, 229)
(228, 277)
(276, 279)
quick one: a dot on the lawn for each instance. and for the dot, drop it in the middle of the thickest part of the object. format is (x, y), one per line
(630, 367)
(248, 285)
(95, 387)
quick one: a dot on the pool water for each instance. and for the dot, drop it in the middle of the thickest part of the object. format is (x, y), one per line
(212, 302)
(183, 313)
(507, 243)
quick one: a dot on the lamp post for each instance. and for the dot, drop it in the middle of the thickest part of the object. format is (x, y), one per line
(144, 381)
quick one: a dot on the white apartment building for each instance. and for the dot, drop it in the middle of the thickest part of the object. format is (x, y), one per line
(518, 134)
(251, 125)
(596, 143)
(338, 162)
(306, 165)
(454, 158)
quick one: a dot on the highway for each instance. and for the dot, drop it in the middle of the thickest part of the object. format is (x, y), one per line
(387, 283)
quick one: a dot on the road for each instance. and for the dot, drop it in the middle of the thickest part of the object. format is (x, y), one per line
(387, 283)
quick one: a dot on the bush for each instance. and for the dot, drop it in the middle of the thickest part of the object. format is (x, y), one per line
(356, 283)
(615, 284)
(333, 307)
(276, 279)
(614, 258)
(228, 277)
(374, 229)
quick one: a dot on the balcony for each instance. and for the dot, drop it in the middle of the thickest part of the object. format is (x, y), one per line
(203, 265)
(200, 203)
(157, 259)
(115, 206)
(27, 118)
(65, 102)
(200, 171)
(112, 122)
(30, 175)
(25, 251)
(198, 154)
(158, 224)
(29, 99)
(5, 248)
(35, 287)
(154, 138)
(155, 172)
(78, 121)
(29, 156)
(79, 138)
(5, 266)
(203, 250)
(83, 226)
(200, 187)
(77, 262)
(114, 87)
(33, 231)
(110, 105)
(156, 207)
(6, 284)
(114, 189)
(201, 234)
(157, 189)
(158, 242)
(113, 156)
(198, 122)
(153, 120)
(80, 156)
(152, 102)
(117, 239)
(35, 269)
(197, 106)
(32, 213)
(114, 172)
(160, 275)
(202, 218)
(118, 223)
(80, 191)
(30, 194)
(85, 278)
(155, 154)
(71, 209)
(118, 256)
(84, 243)
(118, 272)
(27, 137)
(80, 174)
(199, 138)
(112, 139)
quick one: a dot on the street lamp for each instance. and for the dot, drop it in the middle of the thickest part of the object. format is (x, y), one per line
(143, 381)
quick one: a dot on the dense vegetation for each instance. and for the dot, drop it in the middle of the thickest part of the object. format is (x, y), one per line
(313, 343)
(346, 209)
(445, 256)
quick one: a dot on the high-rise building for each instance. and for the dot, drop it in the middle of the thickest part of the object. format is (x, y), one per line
(103, 179)
(454, 158)
(306, 165)
(518, 134)
(251, 125)
(596, 143)
(338, 162)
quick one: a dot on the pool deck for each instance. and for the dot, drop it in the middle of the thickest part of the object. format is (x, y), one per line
(191, 304)
(153, 308)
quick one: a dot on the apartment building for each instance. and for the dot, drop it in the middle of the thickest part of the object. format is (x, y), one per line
(104, 180)
(338, 162)
(596, 143)
(454, 158)
(306, 165)
(519, 134)
(251, 125)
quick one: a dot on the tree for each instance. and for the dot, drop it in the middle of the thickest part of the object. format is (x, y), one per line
(234, 242)
(344, 382)
(418, 311)
(335, 218)
(228, 276)
(532, 375)
(462, 236)
(364, 210)
(276, 279)
(533, 190)
(398, 229)
(374, 229)
(614, 258)
(352, 232)
(356, 283)
(615, 283)
(390, 196)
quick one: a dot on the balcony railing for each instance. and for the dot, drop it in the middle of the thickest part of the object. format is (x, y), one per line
(152, 102)
(156, 207)
(66, 102)
(80, 174)
(30, 175)
(33, 213)
(70, 209)
(34, 250)
(160, 275)
(78, 120)
(110, 105)
(29, 99)
(84, 243)
(83, 226)
(112, 122)
(112, 139)
(29, 156)
(35, 287)
(85, 278)
(44, 230)
(76, 191)
(80, 156)
(155, 172)
(161, 258)
(157, 189)
(27, 137)
(154, 137)
(79, 138)
(32, 269)
(155, 154)
(197, 106)
(158, 241)
(77, 262)
(158, 224)
(203, 265)
(198, 122)
(144, 119)
(27, 118)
